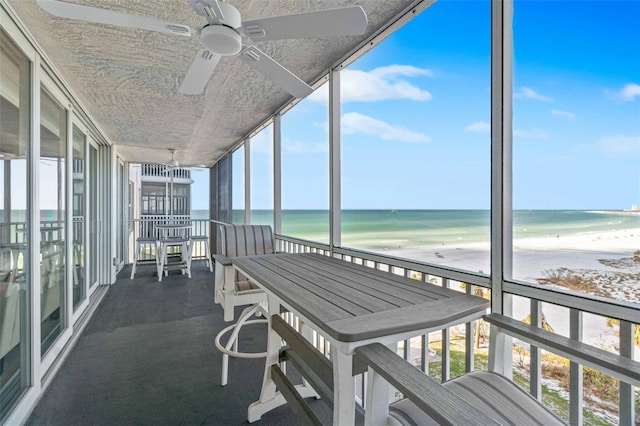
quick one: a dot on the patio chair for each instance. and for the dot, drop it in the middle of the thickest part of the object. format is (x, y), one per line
(141, 242)
(207, 249)
(232, 289)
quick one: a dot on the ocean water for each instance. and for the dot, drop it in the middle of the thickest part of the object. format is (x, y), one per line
(382, 229)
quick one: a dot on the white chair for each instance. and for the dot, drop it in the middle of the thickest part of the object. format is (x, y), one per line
(141, 242)
(232, 289)
(207, 248)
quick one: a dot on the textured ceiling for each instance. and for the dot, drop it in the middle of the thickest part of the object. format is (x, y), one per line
(128, 79)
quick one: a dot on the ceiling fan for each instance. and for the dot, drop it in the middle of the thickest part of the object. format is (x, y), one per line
(175, 164)
(222, 36)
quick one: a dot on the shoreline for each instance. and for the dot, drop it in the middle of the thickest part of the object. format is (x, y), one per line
(536, 258)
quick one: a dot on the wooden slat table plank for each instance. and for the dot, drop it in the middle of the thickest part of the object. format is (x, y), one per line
(342, 291)
(367, 283)
(324, 289)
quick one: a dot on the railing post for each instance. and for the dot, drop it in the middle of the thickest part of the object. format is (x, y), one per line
(535, 359)
(627, 404)
(575, 371)
(469, 340)
(446, 351)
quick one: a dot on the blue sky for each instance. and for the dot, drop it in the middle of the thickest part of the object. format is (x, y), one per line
(416, 110)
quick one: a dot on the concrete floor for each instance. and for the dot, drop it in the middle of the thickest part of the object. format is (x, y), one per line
(147, 357)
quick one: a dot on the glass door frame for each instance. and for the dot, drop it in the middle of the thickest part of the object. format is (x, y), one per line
(93, 253)
(77, 123)
(66, 317)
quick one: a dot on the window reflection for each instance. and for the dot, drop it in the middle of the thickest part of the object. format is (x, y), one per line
(53, 148)
(14, 261)
(79, 177)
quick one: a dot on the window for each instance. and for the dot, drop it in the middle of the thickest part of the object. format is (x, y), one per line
(15, 285)
(155, 201)
(305, 168)
(261, 149)
(237, 188)
(576, 146)
(416, 140)
(79, 221)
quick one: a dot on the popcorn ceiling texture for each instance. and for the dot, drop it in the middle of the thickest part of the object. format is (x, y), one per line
(128, 79)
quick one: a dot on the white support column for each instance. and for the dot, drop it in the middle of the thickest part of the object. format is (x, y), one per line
(576, 387)
(277, 176)
(501, 148)
(335, 205)
(501, 167)
(627, 408)
(247, 182)
(31, 356)
(66, 311)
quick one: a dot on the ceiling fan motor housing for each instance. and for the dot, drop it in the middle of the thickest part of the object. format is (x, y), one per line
(223, 39)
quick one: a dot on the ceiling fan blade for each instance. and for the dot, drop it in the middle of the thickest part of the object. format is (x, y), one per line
(210, 9)
(103, 16)
(199, 73)
(322, 23)
(275, 72)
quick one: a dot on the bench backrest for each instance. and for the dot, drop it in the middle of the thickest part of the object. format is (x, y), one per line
(245, 240)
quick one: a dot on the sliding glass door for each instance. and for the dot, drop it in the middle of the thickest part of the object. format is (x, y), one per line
(53, 149)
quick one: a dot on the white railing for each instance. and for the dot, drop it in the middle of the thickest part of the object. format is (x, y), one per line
(159, 170)
(146, 228)
(628, 398)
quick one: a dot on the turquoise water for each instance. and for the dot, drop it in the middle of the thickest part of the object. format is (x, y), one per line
(377, 229)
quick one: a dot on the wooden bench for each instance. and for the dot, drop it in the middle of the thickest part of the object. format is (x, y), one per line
(480, 397)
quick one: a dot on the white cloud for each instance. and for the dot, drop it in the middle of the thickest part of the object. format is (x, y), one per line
(531, 134)
(571, 116)
(379, 84)
(406, 70)
(620, 146)
(353, 123)
(629, 92)
(479, 127)
(300, 147)
(529, 93)
(262, 142)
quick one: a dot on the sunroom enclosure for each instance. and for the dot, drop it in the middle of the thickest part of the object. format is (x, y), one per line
(72, 233)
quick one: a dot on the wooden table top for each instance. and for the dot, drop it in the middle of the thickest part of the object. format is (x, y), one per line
(351, 302)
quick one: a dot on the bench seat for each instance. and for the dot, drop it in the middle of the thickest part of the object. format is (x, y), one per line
(493, 394)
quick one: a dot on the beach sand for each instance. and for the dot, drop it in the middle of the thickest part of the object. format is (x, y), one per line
(533, 258)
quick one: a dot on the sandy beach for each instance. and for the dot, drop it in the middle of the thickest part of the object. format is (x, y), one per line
(606, 257)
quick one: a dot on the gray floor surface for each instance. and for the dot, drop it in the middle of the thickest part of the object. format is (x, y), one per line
(147, 357)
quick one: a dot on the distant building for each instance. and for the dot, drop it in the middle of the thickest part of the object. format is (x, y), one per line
(150, 192)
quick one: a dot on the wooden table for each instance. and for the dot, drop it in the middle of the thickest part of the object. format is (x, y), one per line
(350, 305)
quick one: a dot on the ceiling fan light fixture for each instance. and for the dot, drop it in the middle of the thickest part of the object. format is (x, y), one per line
(221, 40)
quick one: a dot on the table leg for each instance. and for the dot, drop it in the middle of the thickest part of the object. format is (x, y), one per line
(377, 405)
(344, 389)
(268, 393)
(269, 398)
